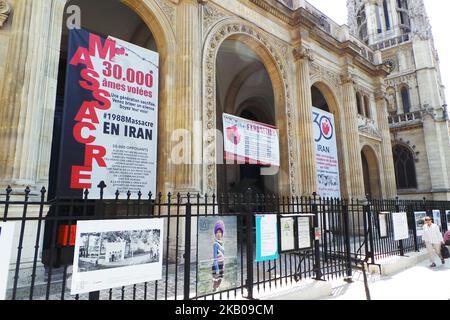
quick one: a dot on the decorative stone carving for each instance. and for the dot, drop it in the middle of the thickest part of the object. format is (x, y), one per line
(215, 40)
(319, 72)
(168, 9)
(368, 127)
(420, 24)
(212, 15)
(303, 53)
(5, 10)
(392, 104)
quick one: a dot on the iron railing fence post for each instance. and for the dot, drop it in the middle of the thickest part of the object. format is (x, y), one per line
(317, 235)
(249, 223)
(9, 190)
(21, 237)
(348, 254)
(397, 209)
(187, 250)
(370, 226)
(95, 295)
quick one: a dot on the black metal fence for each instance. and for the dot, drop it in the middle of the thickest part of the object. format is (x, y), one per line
(343, 233)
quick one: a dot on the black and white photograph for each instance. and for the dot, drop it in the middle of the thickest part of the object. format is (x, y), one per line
(117, 249)
(114, 253)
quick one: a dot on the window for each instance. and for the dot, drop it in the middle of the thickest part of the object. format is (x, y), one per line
(367, 106)
(405, 100)
(378, 13)
(386, 15)
(405, 169)
(359, 103)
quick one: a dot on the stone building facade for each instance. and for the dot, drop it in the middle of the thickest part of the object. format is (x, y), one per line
(265, 60)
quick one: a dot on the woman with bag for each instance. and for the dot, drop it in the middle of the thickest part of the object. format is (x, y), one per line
(433, 240)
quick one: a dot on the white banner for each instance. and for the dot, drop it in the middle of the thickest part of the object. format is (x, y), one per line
(6, 246)
(117, 132)
(326, 154)
(115, 253)
(251, 142)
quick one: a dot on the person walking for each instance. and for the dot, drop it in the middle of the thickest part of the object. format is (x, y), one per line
(433, 240)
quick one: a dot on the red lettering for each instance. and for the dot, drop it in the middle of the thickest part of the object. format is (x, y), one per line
(82, 57)
(95, 45)
(97, 153)
(87, 112)
(80, 173)
(77, 130)
(91, 82)
(102, 96)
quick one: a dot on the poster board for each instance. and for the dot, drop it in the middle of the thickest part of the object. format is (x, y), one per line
(447, 215)
(400, 224)
(115, 253)
(382, 224)
(326, 154)
(437, 218)
(110, 120)
(419, 218)
(304, 225)
(6, 246)
(251, 142)
(266, 237)
(287, 234)
(217, 258)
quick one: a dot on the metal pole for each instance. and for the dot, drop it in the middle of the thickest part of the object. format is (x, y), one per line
(249, 223)
(369, 218)
(187, 252)
(317, 266)
(347, 240)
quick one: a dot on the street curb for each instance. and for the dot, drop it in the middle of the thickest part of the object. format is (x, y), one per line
(396, 264)
(306, 290)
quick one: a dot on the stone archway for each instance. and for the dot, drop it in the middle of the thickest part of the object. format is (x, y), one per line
(258, 42)
(158, 22)
(371, 172)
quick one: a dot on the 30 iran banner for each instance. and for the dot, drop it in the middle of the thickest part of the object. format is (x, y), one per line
(250, 142)
(110, 121)
(326, 154)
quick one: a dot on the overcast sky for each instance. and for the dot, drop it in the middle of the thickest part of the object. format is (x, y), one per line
(437, 11)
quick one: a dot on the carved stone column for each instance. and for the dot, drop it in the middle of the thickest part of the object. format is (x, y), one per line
(386, 146)
(186, 114)
(307, 161)
(27, 93)
(351, 134)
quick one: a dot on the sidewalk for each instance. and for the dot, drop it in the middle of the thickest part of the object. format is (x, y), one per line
(417, 283)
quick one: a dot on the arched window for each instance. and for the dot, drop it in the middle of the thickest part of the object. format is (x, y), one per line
(367, 106)
(406, 100)
(359, 104)
(405, 169)
(386, 15)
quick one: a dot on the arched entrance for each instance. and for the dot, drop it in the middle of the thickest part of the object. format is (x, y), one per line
(133, 21)
(256, 51)
(141, 23)
(371, 173)
(244, 89)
